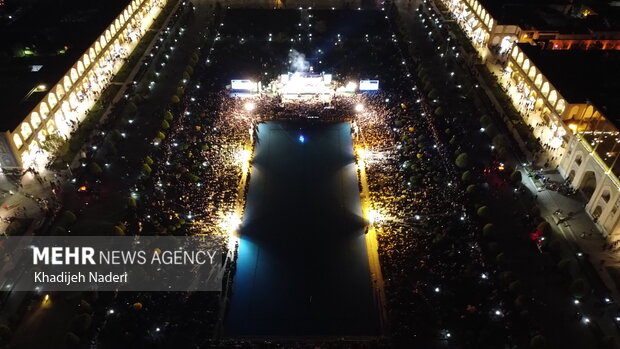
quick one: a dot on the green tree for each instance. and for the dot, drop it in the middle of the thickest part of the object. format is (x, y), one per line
(68, 218)
(462, 160)
(94, 168)
(466, 176)
(488, 230)
(72, 341)
(148, 160)
(485, 120)
(53, 143)
(174, 99)
(146, 169)
(168, 116)
(82, 322)
(5, 335)
(484, 212)
(165, 125)
(579, 288)
(538, 342)
(131, 108)
(118, 231)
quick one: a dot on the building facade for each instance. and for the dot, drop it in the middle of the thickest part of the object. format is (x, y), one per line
(571, 131)
(67, 102)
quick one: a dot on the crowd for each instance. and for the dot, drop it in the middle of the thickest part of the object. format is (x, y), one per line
(435, 276)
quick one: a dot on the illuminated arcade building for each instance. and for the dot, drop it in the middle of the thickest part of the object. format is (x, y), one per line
(559, 23)
(569, 97)
(50, 93)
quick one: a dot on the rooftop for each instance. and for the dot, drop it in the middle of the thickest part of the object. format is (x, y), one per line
(39, 41)
(562, 16)
(582, 76)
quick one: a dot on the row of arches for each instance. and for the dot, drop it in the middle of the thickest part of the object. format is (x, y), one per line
(62, 98)
(599, 194)
(482, 14)
(540, 82)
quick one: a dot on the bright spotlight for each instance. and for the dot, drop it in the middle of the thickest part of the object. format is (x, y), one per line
(374, 216)
(249, 106)
(359, 108)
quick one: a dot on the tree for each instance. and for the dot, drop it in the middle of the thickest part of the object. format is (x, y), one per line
(438, 111)
(85, 307)
(14, 228)
(471, 189)
(500, 141)
(491, 130)
(148, 160)
(538, 342)
(72, 340)
(516, 177)
(53, 143)
(82, 322)
(565, 265)
(174, 99)
(485, 120)
(118, 231)
(94, 168)
(484, 212)
(515, 286)
(5, 334)
(161, 135)
(146, 169)
(462, 160)
(466, 176)
(488, 230)
(501, 258)
(68, 218)
(168, 116)
(579, 288)
(131, 108)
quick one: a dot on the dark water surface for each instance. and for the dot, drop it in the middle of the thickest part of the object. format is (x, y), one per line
(302, 267)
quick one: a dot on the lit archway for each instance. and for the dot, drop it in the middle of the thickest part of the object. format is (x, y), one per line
(17, 140)
(588, 184)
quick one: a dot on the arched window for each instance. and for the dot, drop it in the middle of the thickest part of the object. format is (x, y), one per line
(560, 107)
(25, 130)
(538, 81)
(545, 88)
(553, 97)
(35, 120)
(526, 65)
(17, 140)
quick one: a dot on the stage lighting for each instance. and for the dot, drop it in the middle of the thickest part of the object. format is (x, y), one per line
(249, 106)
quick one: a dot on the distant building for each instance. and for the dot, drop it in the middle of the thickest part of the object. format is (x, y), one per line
(560, 68)
(49, 90)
